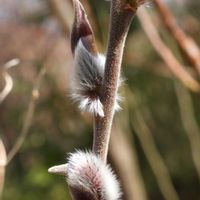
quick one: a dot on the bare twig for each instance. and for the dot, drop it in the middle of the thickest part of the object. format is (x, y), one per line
(165, 53)
(8, 86)
(8, 79)
(64, 12)
(122, 13)
(186, 43)
(3, 159)
(28, 116)
(124, 156)
(153, 156)
(189, 122)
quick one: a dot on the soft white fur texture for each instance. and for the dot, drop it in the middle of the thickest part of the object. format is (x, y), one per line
(87, 171)
(87, 80)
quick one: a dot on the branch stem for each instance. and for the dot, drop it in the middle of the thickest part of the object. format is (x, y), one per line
(121, 17)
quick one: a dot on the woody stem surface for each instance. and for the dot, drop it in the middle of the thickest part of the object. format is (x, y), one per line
(121, 16)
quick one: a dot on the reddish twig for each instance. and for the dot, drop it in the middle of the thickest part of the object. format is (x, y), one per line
(186, 43)
(165, 53)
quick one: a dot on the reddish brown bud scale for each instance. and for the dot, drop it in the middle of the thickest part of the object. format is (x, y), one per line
(82, 30)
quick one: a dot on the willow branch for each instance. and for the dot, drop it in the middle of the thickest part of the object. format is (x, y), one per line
(153, 156)
(28, 116)
(121, 17)
(189, 123)
(185, 42)
(173, 64)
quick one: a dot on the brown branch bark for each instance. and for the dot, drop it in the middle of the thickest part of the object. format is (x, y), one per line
(121, 17)
(185, 42)
(165, 53)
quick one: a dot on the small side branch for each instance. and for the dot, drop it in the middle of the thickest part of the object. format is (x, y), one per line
(28, 116)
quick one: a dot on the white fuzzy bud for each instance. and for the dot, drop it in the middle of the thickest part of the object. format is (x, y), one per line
(91, 179)
(87, 80)
(88, 71)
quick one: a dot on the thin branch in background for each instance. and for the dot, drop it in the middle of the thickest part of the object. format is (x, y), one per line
(64, 12)
(8, 79)
(28, 117)
(174, 65)
(124, 156)
(8, 86)
(153, 156)
(185, 42)
(3, 160)
(189, 122)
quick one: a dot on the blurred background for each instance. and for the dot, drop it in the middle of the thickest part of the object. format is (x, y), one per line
(155, 144)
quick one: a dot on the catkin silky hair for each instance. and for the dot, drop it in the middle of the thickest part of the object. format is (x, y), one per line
(88, 70)
(91, 178)
(87, 79)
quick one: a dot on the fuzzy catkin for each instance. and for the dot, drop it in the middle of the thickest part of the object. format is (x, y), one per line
(88, 173)
(87, 80)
